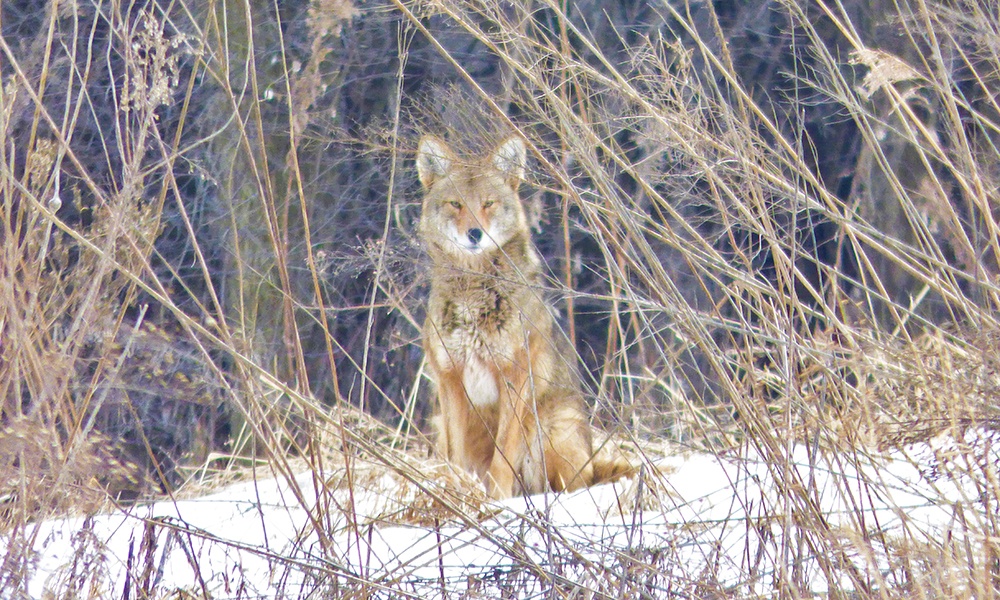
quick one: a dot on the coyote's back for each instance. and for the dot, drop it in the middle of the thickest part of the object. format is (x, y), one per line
(510, 407)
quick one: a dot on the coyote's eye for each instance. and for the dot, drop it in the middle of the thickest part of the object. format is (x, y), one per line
(489, 203)
(456, 204)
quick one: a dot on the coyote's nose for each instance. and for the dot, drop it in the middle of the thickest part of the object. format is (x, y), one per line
(475, 235)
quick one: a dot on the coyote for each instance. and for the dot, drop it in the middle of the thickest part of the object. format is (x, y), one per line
(510, 406)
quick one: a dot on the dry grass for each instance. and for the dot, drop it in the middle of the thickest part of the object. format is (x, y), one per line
(208, 269)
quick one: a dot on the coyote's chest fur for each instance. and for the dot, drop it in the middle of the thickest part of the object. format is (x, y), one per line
(481, 327)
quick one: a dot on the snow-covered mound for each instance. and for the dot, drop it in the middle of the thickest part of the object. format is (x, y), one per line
(698, 522)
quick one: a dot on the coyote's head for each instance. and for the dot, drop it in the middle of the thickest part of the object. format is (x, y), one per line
(470, 208)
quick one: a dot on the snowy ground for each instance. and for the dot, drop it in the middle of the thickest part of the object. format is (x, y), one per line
(722, 520)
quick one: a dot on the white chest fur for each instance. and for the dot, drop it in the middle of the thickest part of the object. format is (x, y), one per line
(480, 383)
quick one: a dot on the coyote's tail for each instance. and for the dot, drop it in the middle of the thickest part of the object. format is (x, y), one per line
(611, 464)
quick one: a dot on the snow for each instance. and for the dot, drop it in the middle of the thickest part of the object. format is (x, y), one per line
(732, 520)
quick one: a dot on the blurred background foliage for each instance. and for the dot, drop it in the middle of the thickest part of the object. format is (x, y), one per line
(237, 204)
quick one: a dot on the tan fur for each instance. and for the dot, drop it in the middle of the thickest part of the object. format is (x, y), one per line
(510, 407)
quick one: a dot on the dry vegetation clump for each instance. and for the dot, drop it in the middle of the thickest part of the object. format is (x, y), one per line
(40, 475)
(95, 396)
(422, 493)
(933, 385)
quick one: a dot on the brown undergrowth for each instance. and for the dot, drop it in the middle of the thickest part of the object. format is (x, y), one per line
(768, 226)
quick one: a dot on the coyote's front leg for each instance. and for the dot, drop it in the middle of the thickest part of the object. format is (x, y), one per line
(516, 425)
(454, 408)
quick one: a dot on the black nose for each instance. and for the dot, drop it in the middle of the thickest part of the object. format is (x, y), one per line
(475, 235)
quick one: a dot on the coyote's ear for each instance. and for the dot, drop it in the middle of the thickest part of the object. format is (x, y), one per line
(510, 159)
(434, 160)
